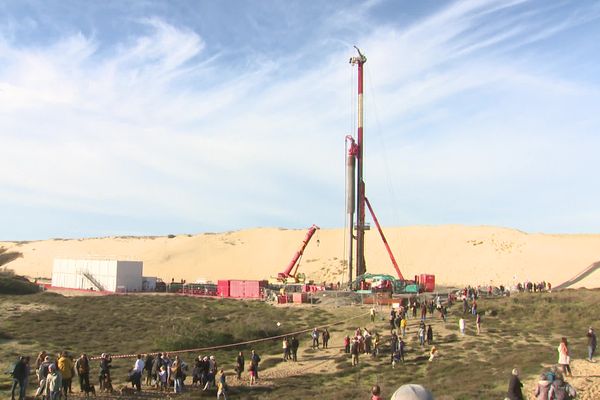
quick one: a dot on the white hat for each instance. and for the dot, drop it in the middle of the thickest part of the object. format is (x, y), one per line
(412, 392)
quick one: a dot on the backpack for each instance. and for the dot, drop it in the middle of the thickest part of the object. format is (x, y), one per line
(571, 392)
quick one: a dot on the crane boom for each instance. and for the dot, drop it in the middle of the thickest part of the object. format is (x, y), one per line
(293, 262)
(387, 246)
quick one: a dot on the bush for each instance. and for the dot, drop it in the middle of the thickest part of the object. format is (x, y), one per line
(14, 285)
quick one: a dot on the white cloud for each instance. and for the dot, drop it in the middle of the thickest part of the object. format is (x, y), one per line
(156, 123)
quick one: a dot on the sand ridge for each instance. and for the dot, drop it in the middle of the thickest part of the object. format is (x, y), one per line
(456, 254)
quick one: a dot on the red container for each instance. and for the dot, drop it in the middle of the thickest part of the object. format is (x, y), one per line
(427, 282)
(299, 298)
(282, 299)
(236, 289)
(223, 288)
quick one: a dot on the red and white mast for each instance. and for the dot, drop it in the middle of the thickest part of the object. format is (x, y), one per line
(360, 60)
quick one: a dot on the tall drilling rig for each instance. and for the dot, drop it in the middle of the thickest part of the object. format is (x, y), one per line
(356, 193)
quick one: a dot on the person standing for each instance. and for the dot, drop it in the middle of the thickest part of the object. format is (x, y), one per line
(42, 374)
(294, 344)
(20, 374)
(65, 366)
(515, 386)
(326, 337)
(239, 365)
(422, 335)
(286, 349)
(148, 363)
(354, 350)
(564, 359)
(401, 348)
(347, 344)
(177, 375)
(82, 366)
(372, 313)
(478, 323)
(461, 325)
(403, 326)
(376, 393)
(156, 364)
(254, 360)
(53, 383)
(429, 335)
(591, 342)
(136, 374)
(315, 338)
(105, 361)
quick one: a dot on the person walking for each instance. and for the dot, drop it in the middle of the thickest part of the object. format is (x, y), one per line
(372, 313)
(591, 343)
(82, 366)
(222, 385)
(19, 375)
(515, 386)
(326, 335)
(461, 326)
(433, 354)
(542, 390)
(422, 335)
(478, 323)
(294, 344)
(239, 365)
(564, 358)
(403, 324)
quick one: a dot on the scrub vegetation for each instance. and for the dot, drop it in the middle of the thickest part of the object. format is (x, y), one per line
(519, 331)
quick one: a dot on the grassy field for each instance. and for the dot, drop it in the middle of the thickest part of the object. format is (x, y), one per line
(520, 331)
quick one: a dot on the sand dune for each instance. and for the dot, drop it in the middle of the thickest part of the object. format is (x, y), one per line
(457, 255)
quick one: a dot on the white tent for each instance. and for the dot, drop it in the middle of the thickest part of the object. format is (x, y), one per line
(104, 275)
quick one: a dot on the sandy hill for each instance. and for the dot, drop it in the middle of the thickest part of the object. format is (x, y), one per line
(457, 255)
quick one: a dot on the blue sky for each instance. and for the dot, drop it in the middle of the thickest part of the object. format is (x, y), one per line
(160, 117)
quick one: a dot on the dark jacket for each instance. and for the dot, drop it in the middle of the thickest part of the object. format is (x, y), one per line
(294, 344)
(514, 388)
(239, 361)
(20, 371)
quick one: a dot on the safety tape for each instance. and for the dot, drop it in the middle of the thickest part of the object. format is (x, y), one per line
(225, 346)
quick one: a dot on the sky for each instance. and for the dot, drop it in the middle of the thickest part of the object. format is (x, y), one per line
(167, 117)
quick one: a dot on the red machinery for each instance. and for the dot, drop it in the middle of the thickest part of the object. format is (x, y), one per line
(291, 271)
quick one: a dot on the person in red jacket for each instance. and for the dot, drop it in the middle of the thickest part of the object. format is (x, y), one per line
(376, 391)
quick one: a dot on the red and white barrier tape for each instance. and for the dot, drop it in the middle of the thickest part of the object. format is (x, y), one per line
(224, 346)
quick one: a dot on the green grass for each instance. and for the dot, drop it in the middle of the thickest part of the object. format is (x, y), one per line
(521, 331)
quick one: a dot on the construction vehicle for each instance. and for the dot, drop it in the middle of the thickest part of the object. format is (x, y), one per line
(356, 201)
(291, 274)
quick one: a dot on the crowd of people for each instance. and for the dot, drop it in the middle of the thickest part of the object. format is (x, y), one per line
(161, 372)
